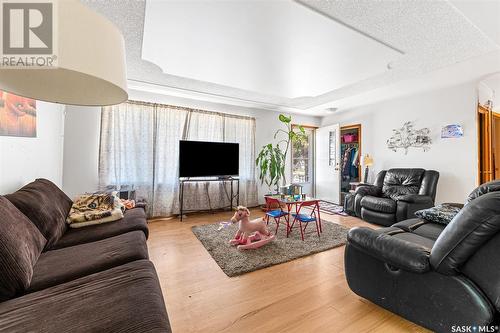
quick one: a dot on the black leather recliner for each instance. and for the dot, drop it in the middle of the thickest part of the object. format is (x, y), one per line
(436, 276)
(396, 195)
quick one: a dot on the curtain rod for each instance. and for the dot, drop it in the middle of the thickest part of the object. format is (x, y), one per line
(188, 109)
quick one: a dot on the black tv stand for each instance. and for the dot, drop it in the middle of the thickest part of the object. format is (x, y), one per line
(232, 196)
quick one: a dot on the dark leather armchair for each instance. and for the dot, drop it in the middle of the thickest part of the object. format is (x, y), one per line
(435, 275)
(396, 195)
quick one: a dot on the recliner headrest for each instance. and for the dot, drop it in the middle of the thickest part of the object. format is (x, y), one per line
(403, 177)
(399, 182)
(492, 186)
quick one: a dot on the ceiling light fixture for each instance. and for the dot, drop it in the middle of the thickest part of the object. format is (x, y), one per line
(331, 110)
(74, 56)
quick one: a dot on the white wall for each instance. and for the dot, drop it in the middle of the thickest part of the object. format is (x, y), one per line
(24, 159)
(455, 159)
(81, 149)
(83, 123)
(485, 93)
(489, 89)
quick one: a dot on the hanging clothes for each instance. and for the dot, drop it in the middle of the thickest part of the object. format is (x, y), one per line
(350, 162)
(355, 163)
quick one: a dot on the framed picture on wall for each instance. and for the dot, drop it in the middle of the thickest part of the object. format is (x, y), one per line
(17, 115)
(452, 131)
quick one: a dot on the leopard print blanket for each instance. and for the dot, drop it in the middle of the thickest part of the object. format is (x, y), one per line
(96, 206)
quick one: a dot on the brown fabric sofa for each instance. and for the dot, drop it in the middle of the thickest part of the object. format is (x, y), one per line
(126, 298)
(133, 220)
(57, 279)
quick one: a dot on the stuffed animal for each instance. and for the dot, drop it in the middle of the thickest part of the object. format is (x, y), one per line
(251, 234)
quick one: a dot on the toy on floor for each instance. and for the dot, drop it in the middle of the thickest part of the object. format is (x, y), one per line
(251, 234)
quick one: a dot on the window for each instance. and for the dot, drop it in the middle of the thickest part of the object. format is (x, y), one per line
(332, 148)
(302, 158)
(140, 148)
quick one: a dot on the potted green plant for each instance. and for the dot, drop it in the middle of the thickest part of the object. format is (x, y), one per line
(271, 160)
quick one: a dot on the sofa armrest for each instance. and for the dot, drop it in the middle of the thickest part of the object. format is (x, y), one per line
(394, 251)
(366, 189)
(416, 198)
(141, 204)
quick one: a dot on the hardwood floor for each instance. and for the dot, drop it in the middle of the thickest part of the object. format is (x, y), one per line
(305, 295)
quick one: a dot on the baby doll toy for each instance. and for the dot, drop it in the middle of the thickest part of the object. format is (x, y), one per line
(251, 234)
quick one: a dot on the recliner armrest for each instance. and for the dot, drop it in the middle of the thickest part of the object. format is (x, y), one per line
(416, 198)
(368, 190)
(394, 251)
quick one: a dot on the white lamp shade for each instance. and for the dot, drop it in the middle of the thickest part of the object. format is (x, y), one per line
(90, 67)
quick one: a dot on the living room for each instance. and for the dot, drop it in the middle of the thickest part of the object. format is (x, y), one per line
(243, 166)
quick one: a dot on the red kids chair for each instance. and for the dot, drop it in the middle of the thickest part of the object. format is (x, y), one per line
(306, 219)
(276, 213)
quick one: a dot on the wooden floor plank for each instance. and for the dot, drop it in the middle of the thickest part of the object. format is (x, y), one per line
(309, 294)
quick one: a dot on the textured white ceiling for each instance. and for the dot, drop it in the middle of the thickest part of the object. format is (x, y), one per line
(279, 48)
(485, 14)
(433, 35)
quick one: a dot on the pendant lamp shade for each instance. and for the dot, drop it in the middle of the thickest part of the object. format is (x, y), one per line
(89, 61)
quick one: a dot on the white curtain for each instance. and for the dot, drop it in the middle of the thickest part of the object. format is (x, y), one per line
(126, 148)
(140, 149)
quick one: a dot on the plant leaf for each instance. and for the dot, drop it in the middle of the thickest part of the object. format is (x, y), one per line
(285, 119)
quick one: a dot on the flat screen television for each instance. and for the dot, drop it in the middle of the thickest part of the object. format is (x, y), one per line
(208, 159)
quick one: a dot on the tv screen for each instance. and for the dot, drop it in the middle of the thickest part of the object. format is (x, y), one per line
(207, 159)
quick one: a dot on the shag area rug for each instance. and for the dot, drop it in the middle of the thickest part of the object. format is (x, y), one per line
(235, 262)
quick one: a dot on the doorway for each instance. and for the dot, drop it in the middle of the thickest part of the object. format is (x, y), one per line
(496, 144)
(488, 129)
(338, 168)
(350, 154)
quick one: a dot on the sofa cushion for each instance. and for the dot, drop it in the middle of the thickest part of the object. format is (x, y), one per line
(410, 224)
(127, 298)
(63, 265)
(385, 219)
(377, 204)
(45, 205)
(399, 182)
(20, 245)
(440, 214)
(430, 230)
(134, 219)
(421, 227)
(416, 239)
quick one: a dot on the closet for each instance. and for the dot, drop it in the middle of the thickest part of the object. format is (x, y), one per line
(350, 154)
